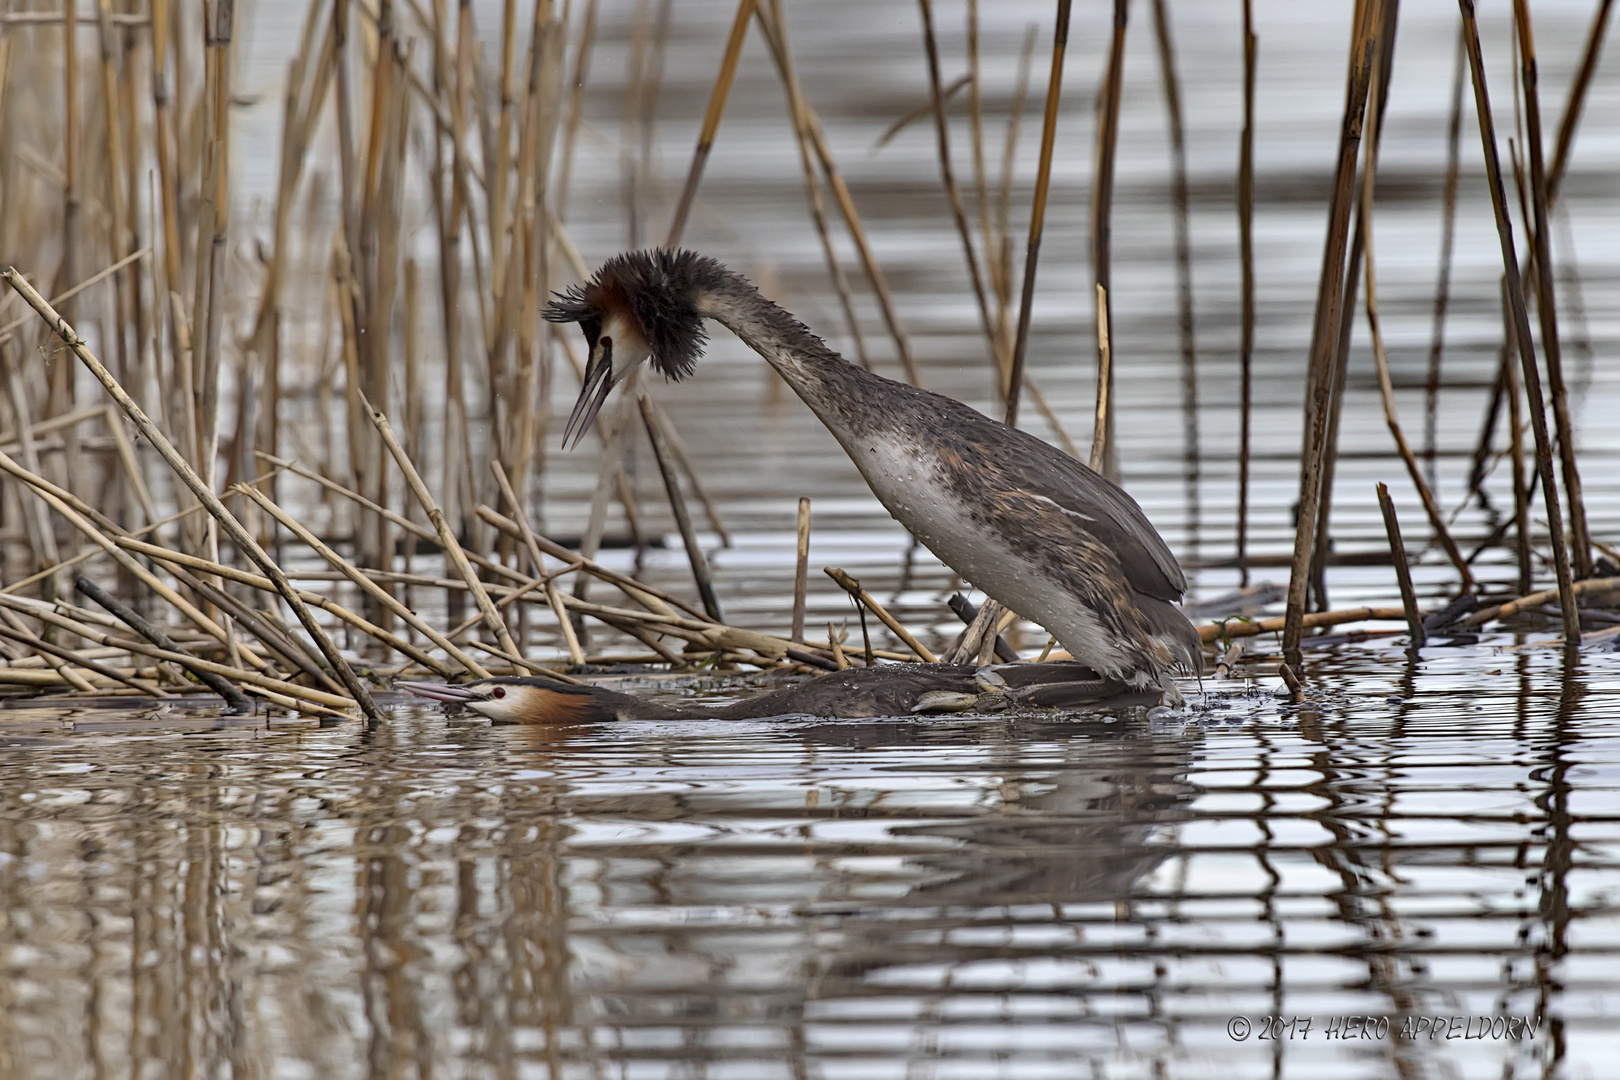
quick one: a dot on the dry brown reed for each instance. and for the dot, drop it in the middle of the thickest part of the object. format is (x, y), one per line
(1403, 572)
(774, 29)
(1448, 243)
(1181, 210)
(801, 570)
(1245, 211)
(1321, 374)
(1521, 337)
(1546, 301)
(1102, 210)
(1037, 217)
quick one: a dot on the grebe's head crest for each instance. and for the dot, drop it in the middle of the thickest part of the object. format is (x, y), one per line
(641, 305)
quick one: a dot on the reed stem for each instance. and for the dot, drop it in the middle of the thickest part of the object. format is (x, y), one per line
(1324, 337)
(1403, 572)
(1521, 324)
(239, 536)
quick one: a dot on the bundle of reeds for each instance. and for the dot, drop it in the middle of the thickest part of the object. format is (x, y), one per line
(171, 513)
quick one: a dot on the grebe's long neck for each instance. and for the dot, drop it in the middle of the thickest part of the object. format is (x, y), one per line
(826, 381)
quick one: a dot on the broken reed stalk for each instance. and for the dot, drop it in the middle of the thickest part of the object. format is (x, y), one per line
(1256, 627)
(79, 514)
(1102, 206)
(1577, 97)
(677, 505)
(965, 611)
(1546, 295)
(818, 211)
(1448, 238)
(981, 634)
(61, 670)
(1403, 572)
(370, 588)
(993, 643)
(1105, 371)
(615, 438)
(677, 446)
(204, 494)
(649, 597)
(241, 675)
(853, 587)
(238, 701)
(1324, 343)
(1378, 99)
(1037, 214)
(69, 656)
(1589, 587)
(1245, 210)
(1386, 386)
(447, 539)
(11, 441)
(86, 556)
(711, 118)
(505, 601)
(836, 644)
(7, 329)
(868, 657)
(178, 559)
(1521, 323)
(132, 467)
(421, 532)
(564, 625)
(947, 173)
(801, 571)
(774, 29)
(1180, 203)
(1521, 486)
(925, 109)
(1296, 689)
(707, 634)
(266, 627)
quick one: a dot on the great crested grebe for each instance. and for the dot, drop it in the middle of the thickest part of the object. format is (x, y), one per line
(1029, 525)
(889, 690)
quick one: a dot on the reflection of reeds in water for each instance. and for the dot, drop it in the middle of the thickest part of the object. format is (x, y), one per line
(409, 119)
(434, 897)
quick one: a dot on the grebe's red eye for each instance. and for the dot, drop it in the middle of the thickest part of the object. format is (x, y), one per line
(498, 692)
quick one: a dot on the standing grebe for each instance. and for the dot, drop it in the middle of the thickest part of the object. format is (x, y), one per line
(1033, 528)
(889, 690)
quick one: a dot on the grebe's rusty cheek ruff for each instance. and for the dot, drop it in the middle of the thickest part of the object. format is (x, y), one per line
(1033, 528)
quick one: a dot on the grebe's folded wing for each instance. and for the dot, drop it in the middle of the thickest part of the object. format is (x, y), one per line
(1092, 505)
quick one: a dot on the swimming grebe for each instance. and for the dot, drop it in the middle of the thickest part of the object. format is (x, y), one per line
(888, 690)
(1030, 526)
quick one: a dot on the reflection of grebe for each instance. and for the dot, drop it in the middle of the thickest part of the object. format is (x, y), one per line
(1031, 526)
(890, 690)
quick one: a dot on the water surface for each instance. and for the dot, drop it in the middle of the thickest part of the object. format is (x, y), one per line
(965, 897)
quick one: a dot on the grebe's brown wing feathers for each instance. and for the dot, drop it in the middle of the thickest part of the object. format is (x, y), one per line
(1067, 498)
(890, 690)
